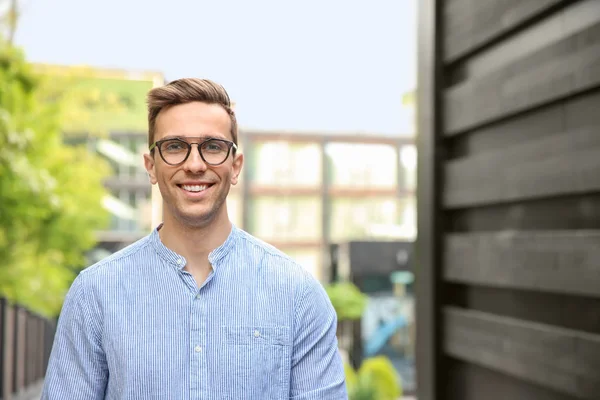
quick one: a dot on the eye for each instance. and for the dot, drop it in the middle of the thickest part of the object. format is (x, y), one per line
(214, 146)
(174, 145)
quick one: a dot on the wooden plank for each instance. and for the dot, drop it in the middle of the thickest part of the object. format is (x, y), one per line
(559, 262)
(569, 115)
(527, 127)
(20, 349)
(562, 310)
(529, 41)
(557, 71)
(31, 350)
(555, 358)
(559, 213)
(7, 362)
(470, 24)
(428, 352)
(560, 164)
(39, 373)
(471, 382)
(49, 331)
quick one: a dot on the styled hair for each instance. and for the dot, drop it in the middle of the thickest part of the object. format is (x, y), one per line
(187, 90)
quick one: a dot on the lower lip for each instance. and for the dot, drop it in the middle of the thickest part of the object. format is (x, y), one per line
(195, 195)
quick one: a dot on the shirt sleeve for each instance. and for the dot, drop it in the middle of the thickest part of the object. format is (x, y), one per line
(77, 367)
(317, 370)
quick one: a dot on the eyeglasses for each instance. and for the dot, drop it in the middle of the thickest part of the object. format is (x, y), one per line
(175, 151)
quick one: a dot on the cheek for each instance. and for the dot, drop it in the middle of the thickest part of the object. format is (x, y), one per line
(223, 173)
(164, 175)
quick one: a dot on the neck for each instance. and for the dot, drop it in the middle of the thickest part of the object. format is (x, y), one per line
(195, 243)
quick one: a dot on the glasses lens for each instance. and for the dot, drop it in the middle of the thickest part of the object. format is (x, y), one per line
(174, 151)
(215, 151)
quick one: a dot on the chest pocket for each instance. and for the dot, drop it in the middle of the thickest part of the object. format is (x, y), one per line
(256, 362)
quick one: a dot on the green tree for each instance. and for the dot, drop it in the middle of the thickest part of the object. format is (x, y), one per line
(50, 193)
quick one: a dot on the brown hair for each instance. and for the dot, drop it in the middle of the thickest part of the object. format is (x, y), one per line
(183, 91)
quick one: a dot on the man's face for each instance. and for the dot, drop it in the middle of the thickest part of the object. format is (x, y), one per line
(194, 122)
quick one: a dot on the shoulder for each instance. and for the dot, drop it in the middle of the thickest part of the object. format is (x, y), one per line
(117, 262)
(268, 256)
(279, 266)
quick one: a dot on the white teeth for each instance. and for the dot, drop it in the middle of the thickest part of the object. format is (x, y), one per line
(194, 188)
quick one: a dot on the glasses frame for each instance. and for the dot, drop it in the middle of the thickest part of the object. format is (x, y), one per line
(158, 144)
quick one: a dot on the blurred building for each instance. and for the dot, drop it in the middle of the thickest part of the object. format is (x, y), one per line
(108, 114)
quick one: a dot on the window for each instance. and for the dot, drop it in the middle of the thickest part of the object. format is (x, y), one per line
(352, 219)
(283, 163)
(362, 165)
(286, 218)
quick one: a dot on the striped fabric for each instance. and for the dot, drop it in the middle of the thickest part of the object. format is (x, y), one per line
(136, 326)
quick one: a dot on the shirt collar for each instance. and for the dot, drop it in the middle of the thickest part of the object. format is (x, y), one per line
(179, 261)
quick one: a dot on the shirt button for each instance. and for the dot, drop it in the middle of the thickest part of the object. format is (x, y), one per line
(197, 296)
(179, 261)
(197, 349)
(256, 333)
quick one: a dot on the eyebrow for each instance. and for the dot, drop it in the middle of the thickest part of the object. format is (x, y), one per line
(194, 137)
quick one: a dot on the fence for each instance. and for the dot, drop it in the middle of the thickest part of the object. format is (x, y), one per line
(25, 343)
(508, 269)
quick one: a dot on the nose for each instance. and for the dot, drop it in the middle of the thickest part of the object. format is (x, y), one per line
(194, 162)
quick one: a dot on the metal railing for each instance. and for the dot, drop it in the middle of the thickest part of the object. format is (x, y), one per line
(25, 343)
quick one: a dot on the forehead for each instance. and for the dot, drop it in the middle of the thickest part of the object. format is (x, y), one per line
(194, 119)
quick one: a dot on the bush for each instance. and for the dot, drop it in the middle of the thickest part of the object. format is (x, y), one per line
(376, 380)
(348, 301)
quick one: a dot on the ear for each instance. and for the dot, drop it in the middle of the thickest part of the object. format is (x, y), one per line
(150, 167)
(238, 162)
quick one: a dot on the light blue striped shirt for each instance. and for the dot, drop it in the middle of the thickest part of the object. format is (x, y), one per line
(136, 326)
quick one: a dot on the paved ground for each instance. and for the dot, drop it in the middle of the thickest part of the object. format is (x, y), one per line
(33, 393)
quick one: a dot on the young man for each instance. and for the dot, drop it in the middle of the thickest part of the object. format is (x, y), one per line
(198, 309)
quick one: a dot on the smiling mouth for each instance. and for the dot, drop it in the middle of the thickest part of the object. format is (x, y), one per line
(194, 188)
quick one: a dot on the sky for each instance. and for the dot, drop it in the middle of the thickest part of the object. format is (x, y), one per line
(329, 66)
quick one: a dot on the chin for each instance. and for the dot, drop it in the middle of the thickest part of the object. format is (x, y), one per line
(195, 215)
(194, 218)
(197, 218)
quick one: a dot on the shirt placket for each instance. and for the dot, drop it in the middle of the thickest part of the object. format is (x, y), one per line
(199, 379)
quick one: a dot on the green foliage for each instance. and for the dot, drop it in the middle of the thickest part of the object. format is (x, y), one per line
(347, 300)
(97, 101)
(50, 193)
(376, 380)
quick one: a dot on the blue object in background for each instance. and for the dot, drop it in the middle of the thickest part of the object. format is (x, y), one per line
(376, 342)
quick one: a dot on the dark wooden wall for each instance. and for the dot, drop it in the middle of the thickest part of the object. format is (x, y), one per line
(508, 254)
